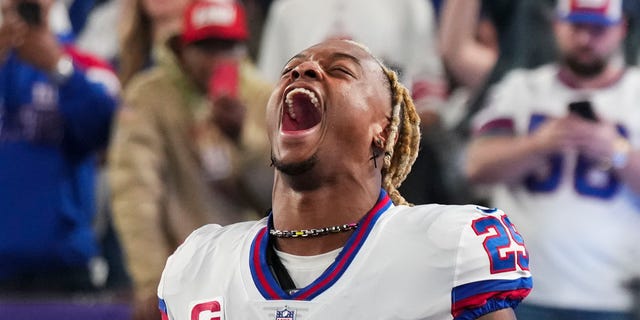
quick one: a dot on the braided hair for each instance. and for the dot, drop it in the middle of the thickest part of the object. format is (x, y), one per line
(401, 149)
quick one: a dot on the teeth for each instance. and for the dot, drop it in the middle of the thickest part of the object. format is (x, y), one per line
(289, 100)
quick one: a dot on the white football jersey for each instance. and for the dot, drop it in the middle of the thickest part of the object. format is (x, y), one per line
(580, 221)
(423, 262)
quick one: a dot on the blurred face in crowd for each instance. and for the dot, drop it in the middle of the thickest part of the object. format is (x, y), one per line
(200, 58)
(328, 107)
(585, 48)
(164, 9)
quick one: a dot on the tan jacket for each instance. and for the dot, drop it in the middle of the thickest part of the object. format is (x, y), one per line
(171, 171)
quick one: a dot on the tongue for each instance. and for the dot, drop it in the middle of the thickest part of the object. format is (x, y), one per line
(306, 114)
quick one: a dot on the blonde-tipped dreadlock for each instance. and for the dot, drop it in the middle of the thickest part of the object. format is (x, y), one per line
(403, 142)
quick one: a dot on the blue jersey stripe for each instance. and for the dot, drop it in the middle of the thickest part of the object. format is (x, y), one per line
(346, 256)
(162, 305)
(266, 283)
(260, 272)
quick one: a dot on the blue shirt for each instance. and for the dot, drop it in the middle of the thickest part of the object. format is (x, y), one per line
(49, 136)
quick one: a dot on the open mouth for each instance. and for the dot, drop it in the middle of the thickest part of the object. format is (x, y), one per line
(301, 110)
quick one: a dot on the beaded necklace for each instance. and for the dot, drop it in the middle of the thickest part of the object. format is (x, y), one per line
(307, 233)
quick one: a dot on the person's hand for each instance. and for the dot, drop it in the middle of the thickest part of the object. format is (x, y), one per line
(146, 308)
(39, 47)
(596, 140)
(12, 30)
(229, 114)
(555, 135)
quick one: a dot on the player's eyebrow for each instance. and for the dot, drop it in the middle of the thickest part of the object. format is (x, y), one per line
(297, 56)
(342, 55)
(336, 56)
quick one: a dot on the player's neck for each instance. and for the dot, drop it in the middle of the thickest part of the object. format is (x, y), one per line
(312, 246)
(319, 208)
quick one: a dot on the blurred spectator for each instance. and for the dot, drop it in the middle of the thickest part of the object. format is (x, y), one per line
(56, 106)
(143, 25)
(468, 45)
(91, 28)
(189, 146)
(467, 42)
(480, 40)
(525, 40)
(570, 178)
(146, 25)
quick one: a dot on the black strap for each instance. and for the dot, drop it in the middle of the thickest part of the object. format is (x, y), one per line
(279, 270)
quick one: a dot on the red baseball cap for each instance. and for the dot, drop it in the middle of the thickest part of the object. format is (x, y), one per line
(214, 19)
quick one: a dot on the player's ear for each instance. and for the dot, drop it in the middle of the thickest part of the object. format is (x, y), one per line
(379, 134)
(379, 141)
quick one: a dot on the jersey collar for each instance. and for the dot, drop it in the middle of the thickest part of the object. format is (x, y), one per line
(266, 282)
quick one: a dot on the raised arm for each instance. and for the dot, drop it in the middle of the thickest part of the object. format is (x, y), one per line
(467, 59)
(500, 159)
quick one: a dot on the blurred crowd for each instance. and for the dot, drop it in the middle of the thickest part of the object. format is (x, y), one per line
(126, 124)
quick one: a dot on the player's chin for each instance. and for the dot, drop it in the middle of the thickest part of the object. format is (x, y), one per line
(294, 167)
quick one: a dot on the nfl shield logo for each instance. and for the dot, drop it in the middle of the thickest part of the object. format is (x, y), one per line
(285, 314)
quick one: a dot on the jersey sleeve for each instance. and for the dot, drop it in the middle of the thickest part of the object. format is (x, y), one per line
(492, 266)
(181, 268)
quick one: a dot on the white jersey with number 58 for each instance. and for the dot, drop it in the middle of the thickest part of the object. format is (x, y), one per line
(580, 221)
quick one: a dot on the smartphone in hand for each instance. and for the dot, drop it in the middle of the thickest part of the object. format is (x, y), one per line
(30, 12)
(224, 80)
(583, 109)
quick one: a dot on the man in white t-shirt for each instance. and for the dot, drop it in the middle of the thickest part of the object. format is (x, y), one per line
(561, 144)
(340, 241)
